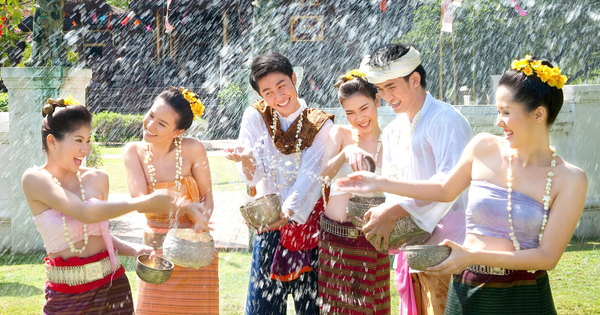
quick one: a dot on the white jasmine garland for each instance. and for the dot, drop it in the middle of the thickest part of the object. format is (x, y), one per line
(546, 198)
(278, 163)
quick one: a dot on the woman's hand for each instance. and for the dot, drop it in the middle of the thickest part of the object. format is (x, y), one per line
(354, 156)
(198, 213)
(163, 199)
(145, 249)
(459, 260)
(358, 182)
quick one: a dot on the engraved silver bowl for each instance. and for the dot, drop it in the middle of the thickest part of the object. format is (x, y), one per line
(421, 257)
(262, 211)
(155, 271)
(406, 230)
(187, 249)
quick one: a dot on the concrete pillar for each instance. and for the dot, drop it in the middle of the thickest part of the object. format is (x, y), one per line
(28, 89)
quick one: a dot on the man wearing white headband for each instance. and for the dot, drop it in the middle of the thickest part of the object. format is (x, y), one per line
(424, 142)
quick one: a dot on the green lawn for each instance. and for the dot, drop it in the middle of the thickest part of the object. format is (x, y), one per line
(223, 172)
(575, 282)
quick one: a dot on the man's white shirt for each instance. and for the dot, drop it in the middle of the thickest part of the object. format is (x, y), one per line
(436, 145)
(302, 193)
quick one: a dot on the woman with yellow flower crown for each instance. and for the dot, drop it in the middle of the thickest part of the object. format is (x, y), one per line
(524, 200)
(69, 207)
(345, 283)
(165, 159)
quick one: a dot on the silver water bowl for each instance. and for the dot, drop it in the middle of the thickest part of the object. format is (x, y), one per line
(421, 257)
(155, 271)
(188, 249)
(406, 230)
(262, 211)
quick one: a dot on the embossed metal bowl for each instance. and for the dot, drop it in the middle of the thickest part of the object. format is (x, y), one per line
(155, 271)
(421, 257)
(187, 249)
(262, 211)
(405, 231)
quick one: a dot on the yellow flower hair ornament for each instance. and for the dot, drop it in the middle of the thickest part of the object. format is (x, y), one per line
(194, 100)
(352, 74)
(549, 75)
(51, 104)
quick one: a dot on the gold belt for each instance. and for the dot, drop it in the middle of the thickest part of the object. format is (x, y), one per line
(340, 230)
(487, 270)
(76, 275)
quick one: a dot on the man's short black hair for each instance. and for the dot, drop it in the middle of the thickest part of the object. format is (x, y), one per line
(384, 56)
(265, 64)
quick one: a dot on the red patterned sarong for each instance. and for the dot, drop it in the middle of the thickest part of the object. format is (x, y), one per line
(354, 278)
(110, 299)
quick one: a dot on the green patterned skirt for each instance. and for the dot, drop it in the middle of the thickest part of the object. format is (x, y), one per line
(520, 292)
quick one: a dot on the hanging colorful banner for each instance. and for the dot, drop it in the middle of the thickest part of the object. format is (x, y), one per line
(2, 25)
(168, 26)
(447, 17)
(518, 8)
(383, 5)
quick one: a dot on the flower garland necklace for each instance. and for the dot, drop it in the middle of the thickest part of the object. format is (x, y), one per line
(546, 198)
(356, 138)
(64, 221)
(393, 166)
(274, 162)
(178, 164)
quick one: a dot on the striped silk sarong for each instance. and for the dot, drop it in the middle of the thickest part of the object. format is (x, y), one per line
(188, 291)
(110, 299)
(519, 292)
(353, 277)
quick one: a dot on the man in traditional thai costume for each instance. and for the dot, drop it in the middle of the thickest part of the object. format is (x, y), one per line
(281, 146)
(425, 141)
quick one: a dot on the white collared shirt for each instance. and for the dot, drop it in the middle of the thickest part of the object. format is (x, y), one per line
(302, 193)
(439, 139)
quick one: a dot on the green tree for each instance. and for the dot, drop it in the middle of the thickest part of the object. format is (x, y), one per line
(488, 34)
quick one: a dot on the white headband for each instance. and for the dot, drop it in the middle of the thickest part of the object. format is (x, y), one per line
(401, 67)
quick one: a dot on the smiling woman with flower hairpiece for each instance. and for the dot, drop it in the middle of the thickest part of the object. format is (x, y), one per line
(341, 246)
(68, 203)
(165, 159)
(524, 200)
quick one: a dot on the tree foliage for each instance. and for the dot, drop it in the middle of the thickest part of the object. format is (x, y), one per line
(488, 34)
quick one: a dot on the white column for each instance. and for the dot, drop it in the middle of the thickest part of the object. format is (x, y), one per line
(28, 89)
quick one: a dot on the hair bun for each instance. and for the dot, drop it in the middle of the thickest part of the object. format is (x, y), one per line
(48, 109)
(352, 74)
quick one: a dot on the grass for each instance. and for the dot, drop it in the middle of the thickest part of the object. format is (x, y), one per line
(575, 282)
(223, 172)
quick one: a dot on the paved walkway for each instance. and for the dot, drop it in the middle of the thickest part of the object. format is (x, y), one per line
(226, 224)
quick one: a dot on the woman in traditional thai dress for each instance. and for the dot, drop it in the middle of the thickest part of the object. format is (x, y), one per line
(354, 278)
(165, 159)
(68, 202)
(524, 200)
